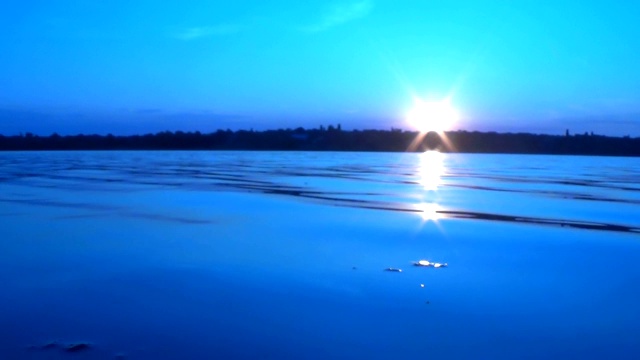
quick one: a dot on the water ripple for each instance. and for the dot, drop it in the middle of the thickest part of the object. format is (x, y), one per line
(388, 182)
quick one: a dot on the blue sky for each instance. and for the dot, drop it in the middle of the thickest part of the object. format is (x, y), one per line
(144, 66)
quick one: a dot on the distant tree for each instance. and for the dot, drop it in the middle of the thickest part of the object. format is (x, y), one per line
(335, 139)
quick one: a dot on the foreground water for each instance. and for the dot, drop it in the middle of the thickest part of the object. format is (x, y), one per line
(193, 255)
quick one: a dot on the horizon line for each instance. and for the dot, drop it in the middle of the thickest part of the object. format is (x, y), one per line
(337, 127)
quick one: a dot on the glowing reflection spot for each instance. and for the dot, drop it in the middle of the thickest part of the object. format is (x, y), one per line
(429, 211)
(431, 170)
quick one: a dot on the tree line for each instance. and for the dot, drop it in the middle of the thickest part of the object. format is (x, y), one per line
(335, 139)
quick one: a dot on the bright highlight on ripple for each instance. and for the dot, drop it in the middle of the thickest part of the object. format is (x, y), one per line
(429, 211)
(436, 116)
(431, 170)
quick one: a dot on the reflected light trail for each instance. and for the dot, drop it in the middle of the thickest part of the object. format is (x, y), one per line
(429, 211)
(430, 170)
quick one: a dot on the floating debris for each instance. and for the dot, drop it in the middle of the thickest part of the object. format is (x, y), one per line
(421, 285)
(46, 346)
(426, 263)
(77, 347)
(393, 269)
(422, 263)
(56, 345)
(50, 345)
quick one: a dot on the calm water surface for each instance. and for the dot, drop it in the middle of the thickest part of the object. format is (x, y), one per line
(282, 255)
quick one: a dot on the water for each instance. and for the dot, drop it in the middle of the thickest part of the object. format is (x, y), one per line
(281, 255)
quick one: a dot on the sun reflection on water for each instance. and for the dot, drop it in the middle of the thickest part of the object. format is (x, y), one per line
(429, 211)
(430, 171)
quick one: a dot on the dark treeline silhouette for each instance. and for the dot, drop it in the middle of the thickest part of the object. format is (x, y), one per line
(335, 139)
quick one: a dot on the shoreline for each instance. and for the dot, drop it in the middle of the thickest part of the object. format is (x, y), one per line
(336, 139)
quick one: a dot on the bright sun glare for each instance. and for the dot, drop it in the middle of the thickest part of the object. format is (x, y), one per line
(435, 116)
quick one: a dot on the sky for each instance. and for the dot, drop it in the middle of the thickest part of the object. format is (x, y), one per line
(139, 66)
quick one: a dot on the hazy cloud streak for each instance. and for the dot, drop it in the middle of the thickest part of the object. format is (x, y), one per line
(207, 31)
(340, 14)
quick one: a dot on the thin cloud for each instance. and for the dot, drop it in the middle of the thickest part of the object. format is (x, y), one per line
(340, 14)
(207, 31)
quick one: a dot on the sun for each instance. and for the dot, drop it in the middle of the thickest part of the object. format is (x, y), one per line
(438, 116)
